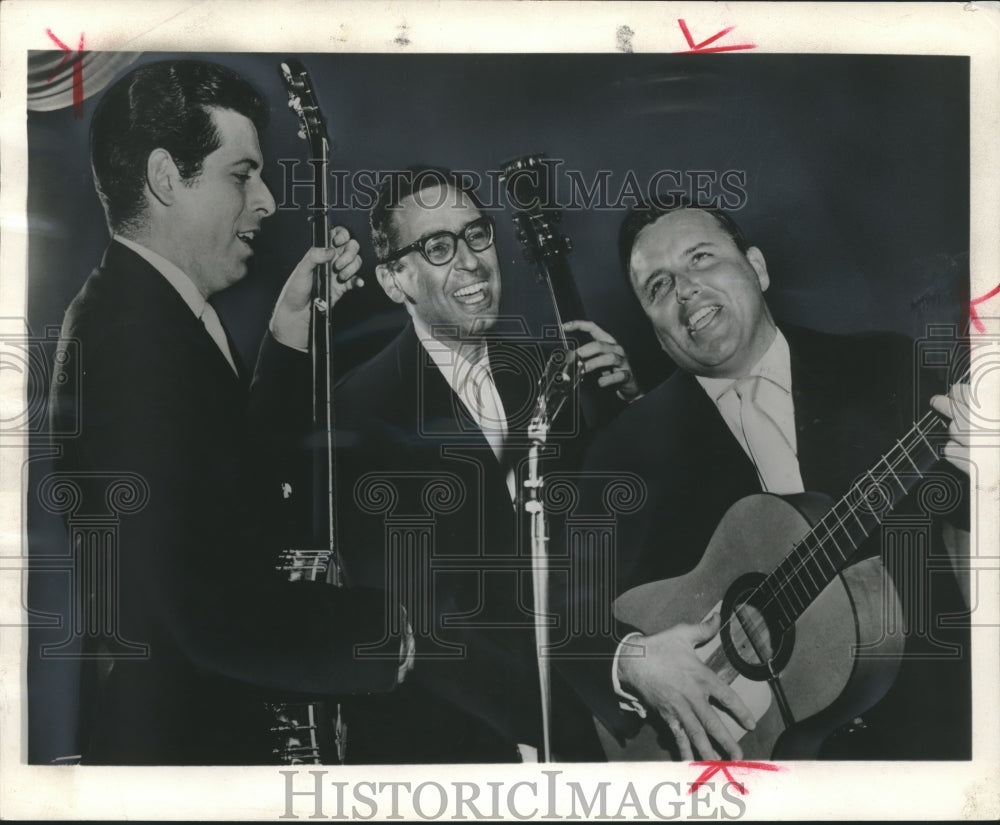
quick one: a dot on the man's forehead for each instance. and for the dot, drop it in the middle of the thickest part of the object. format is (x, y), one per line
(433, 209)
(238, 136)
(676, 232)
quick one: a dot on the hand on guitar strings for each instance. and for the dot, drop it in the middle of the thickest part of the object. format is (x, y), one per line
(290, 320)
(606, 355)
(957, 407)
(671, 679)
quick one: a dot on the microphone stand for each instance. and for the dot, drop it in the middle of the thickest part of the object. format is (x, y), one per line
(556, 383)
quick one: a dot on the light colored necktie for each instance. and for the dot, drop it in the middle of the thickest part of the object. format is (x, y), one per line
(484, 402)
(474, 385)
(772, 455)
(480, 395)
(210, 318)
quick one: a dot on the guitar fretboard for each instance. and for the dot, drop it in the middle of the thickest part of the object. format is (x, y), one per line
(793, 585)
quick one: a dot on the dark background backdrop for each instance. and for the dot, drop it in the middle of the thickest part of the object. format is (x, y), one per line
(857, 181)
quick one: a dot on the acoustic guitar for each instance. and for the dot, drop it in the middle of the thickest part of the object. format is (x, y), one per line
(806, 638)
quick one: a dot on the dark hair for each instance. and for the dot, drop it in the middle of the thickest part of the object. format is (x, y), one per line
(168, 106)
(643, 214)
(394, 188)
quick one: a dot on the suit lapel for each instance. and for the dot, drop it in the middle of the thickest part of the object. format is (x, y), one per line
(218, 358)
(441, 413)
(818, 399)
(515, 370)
(142, 286)
(694, 469)
(242, 375)
(714, 441)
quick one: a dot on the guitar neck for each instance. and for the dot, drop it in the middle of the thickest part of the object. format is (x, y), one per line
(323, 469)
(565, 295)
(530, 186)
(826, 549)
(312, 128)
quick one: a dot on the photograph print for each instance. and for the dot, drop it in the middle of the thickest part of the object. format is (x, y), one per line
(533, 407)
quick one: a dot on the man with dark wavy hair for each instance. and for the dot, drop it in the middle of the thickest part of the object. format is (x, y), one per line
(164, 403)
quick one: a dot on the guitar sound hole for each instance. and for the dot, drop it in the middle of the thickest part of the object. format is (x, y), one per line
(749, 635)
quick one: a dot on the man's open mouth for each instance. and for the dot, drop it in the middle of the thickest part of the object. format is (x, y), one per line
(702, 318)
(472, 294)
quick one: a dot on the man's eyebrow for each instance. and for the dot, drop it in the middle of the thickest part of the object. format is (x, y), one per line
(644, 285)
(692, 249)
(251, 162)
(654, 274)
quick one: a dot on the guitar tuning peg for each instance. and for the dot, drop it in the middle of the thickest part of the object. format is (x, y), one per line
(302, 133)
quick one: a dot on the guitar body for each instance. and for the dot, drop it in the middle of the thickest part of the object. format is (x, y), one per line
(836, 663)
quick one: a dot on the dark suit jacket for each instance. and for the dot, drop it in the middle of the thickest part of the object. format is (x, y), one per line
(853, 397)
(193, 579)
(425, 512)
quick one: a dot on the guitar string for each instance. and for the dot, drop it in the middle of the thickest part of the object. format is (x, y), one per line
(917, 433)
(800, 563)
(555, 306)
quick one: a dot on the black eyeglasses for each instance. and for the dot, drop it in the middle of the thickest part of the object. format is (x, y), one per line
(439, 248)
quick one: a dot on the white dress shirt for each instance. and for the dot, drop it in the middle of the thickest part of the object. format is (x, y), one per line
(759, 411)
(471, 380)
(186, 288)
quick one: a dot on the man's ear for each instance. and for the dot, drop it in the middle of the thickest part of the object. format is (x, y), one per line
(756, 258)
(162, 176)
(387, 280)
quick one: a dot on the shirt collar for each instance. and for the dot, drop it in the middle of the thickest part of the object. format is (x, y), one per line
(445, 358)
(174, 274)
(775, 365)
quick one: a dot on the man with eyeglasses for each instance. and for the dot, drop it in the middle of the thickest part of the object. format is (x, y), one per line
(430, 433)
